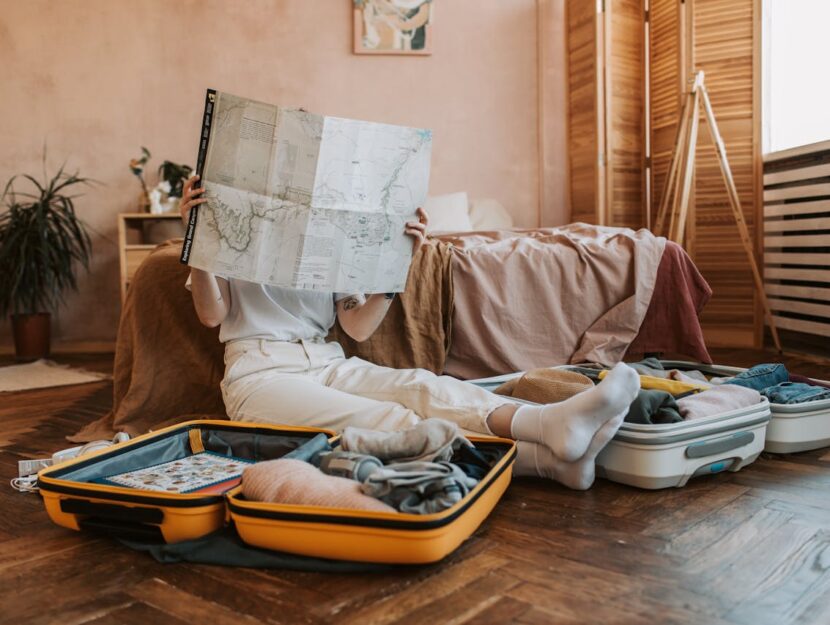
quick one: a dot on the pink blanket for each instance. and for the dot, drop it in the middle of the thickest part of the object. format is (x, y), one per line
(526, 299)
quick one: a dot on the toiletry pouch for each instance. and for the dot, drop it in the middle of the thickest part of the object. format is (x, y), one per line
(368, 536)
(792, 428)
(167, 485)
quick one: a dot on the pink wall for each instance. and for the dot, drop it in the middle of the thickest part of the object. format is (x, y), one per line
(96, 79)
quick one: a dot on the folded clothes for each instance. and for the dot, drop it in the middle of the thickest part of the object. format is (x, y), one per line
(805, 380)
(297, 482)
(653, 407)
(795, 393)
(419, 487)
(691, 377)
(648, 366)
(717, 400)
(761, 376)
(546, 386)
(675, 387)
(430, 440)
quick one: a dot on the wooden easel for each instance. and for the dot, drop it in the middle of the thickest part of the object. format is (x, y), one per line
(678, 186)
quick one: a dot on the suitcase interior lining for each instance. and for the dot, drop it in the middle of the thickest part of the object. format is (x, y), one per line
(254, 445)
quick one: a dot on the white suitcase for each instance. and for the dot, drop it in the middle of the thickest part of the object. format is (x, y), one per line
(668, 455)
(793, 427)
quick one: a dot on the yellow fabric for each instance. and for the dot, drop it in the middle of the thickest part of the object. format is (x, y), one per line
(651, 383)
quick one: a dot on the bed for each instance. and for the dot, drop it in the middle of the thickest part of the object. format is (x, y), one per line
(476, 304)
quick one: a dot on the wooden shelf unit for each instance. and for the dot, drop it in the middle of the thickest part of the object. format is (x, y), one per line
(136, 240)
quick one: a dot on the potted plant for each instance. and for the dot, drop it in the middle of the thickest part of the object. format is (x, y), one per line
(41, 242)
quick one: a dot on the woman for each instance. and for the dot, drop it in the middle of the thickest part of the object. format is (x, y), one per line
(280, 369)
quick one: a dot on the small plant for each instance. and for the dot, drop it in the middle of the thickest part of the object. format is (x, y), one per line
(137, 167)
(41, 241)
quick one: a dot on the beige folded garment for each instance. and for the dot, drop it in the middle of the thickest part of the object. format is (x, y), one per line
(545, 386)
(432, 440)
(717, 400)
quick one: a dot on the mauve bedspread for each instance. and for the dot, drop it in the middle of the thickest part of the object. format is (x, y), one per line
(526, 299)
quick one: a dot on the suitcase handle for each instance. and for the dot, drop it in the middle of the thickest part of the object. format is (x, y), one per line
(123, 530)
(719, 445)
(114, 512)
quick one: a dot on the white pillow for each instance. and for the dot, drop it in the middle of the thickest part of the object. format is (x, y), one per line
(489, 214)
(448, 213)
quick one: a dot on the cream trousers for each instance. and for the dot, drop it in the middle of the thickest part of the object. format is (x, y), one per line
(314, 384)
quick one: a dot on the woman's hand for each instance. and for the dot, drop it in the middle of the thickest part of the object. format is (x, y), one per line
(190, 198)
(418, 230)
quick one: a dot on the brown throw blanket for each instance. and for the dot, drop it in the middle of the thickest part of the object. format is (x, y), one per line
(527, 299)
(168, 366)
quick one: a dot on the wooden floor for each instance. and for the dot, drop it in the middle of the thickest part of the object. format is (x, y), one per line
(743, 548)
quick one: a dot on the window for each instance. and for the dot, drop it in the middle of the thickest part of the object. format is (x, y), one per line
(796, 88)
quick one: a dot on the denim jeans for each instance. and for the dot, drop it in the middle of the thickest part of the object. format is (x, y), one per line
(763, 376)
(795, 393)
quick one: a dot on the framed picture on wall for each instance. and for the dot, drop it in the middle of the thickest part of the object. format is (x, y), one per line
(393, 26)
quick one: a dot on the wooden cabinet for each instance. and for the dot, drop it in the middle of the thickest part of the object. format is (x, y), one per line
(138, 235)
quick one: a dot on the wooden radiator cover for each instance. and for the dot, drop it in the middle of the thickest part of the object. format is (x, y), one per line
(797, 238)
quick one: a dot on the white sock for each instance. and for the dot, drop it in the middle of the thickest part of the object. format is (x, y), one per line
(537, 460)
(567, 427)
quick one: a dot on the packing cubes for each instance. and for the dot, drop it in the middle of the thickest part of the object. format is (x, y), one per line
(91, 493)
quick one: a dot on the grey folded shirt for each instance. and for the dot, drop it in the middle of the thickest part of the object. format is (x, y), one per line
(419, 487)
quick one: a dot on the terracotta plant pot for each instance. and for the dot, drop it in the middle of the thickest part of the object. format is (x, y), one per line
(32, 334)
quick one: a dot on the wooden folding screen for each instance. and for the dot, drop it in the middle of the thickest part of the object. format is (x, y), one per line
(722, 38)
(606, 111)
(619, 153)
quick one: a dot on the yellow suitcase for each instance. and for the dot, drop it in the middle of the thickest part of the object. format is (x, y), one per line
(74, 499)
(363, 536)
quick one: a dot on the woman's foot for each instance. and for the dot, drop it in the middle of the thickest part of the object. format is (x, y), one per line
(568, 427)
(539, 461)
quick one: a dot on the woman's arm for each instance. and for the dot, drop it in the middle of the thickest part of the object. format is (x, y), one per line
(211, 295)
(360, 319)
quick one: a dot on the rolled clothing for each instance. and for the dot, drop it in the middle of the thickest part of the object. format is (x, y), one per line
(308, 450)
(431, 440)
(419, 487)
(761, 376)
(291, 481)
(795, 393)
(346, 464)
(717, 400)
(653, 407)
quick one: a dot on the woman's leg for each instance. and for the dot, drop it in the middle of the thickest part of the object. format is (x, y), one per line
(419, 390)
(567, 428)
(296, 399)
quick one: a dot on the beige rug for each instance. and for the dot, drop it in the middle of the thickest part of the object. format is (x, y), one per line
(43, 374)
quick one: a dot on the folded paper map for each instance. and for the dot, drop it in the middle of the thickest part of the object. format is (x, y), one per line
(305, 201)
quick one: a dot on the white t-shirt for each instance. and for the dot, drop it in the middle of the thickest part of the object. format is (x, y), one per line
(260, 311)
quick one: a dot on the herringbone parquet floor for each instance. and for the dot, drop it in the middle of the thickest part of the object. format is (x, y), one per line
(745, 548)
